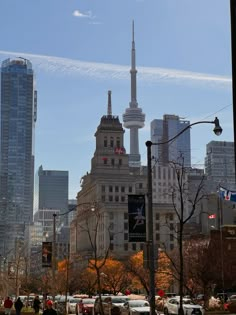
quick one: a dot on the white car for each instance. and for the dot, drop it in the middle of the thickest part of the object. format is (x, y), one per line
(136, 307)
(72, 303)
(171, 306)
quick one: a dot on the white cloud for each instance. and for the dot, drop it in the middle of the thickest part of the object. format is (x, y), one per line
(79, 14)
(119, 72)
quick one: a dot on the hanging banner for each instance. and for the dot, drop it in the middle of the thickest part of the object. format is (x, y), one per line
(137, 218)
(47, 254)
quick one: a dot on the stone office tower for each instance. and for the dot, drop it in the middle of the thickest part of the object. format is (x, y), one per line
(106, 186)
(18, 116)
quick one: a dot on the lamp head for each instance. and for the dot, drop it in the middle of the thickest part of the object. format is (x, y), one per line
(217, 130)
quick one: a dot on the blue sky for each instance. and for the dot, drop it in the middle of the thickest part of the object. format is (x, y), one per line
(80, 49)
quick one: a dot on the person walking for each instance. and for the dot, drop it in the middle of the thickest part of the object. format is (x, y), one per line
(18, 306)
(36, 304)
(8, 305)
(49, 309)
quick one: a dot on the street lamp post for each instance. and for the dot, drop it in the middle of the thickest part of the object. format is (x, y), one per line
(217, 130)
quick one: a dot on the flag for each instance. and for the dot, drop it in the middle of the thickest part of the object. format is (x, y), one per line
(212, 216)
(228, 195)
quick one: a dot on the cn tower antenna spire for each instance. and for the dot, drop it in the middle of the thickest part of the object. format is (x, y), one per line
(133, 31)
(109, 111)
(133, 117)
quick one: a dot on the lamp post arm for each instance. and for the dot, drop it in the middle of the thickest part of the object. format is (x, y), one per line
(216, 129)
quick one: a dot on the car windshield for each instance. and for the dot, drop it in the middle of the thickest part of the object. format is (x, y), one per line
(135, 303)
(119, 299)
(75, 300)
(88, 301)
(188, 302)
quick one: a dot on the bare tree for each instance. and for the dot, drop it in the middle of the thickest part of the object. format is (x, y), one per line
(91, 222)
(184, 207)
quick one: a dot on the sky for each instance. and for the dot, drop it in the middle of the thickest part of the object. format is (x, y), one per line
(80, 49)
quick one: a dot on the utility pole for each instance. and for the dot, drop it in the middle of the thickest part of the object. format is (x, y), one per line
(233, 57)
(54, 256)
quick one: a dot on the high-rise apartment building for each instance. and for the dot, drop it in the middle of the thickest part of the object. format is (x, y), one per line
(18, 117)
(51, 189)
(51, 192)
(164, 129)
(219, 164)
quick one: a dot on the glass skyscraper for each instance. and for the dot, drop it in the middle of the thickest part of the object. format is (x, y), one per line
(18, 110)
(165, 129)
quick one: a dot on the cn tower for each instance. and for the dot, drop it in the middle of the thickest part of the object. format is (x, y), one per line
(133, 117)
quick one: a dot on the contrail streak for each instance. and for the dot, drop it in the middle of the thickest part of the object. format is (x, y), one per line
(117, 72)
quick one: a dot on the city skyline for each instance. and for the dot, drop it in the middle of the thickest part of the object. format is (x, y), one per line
(82, 50)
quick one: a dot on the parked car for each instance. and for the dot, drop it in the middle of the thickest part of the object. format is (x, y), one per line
(171, 306)
(71, 304)
(111, 304)
(136, 307)
(85, 306)
(222, 296)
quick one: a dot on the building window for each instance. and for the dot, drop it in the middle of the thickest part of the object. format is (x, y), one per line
(103, 188)
(118, 142)
(105, 161)
(171, 226)
(111, 246)
(134, 246)
(122, 189)
(171, 217)
(105, 142)
(140, 185)
(157, 237)
(111, 237)
(126, 246)
(157, 216)
(103, 198)
(126, 216)
(110, 188)
(122, 198)
(125, 236)
(125, 226)
(112, 162)
(110, 198)
(111, 226)
(120, 161)
(116, 198)
(116, 188)
(112, 142)
(171, 237)
(130, 189)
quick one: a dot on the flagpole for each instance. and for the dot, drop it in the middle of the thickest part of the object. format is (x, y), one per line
(221, 247)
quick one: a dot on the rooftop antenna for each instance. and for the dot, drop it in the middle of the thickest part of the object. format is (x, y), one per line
(109, 112)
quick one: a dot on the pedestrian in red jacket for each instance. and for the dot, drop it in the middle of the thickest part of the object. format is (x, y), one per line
(8, 305)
